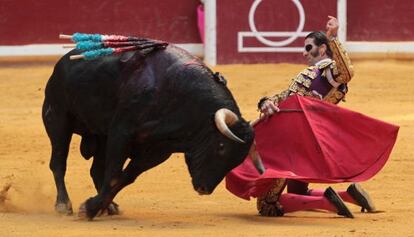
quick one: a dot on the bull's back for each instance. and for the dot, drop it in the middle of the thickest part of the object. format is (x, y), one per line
(89, 90)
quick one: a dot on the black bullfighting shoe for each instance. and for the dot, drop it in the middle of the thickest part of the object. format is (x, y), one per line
(361, 197)
(337, 201)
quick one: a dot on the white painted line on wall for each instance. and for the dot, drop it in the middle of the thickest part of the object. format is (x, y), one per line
(57, 49)
(33, 50)
(198, 49)
(380, 47)
(342, 20)
(210, 49)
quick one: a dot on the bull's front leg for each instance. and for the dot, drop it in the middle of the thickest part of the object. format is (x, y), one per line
(135, 167)
(116, 154)
(97, 172)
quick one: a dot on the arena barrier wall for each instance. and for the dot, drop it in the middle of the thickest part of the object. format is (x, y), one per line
(32, 27)
(236, 31)
(270, 31)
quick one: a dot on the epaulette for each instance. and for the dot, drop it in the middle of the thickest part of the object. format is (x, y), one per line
(329, 65)
(324, 65)
(304, 78)
(302, 82)
(309, 72)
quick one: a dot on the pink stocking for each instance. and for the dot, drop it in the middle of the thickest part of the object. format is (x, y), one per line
(294, 202)
(343, 194)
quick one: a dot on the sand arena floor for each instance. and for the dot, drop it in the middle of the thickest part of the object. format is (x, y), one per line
(162, 201)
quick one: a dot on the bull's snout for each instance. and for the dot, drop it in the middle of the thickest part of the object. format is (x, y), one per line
(203, 191)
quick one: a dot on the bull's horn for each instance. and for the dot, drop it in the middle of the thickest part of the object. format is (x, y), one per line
(256, 159)
(225, 118)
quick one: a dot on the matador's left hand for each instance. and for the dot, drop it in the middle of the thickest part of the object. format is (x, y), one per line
(332, 27)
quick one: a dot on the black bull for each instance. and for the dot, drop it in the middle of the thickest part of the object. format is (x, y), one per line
(143, 108)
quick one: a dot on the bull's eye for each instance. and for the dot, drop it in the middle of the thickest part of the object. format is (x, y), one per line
(221, 149)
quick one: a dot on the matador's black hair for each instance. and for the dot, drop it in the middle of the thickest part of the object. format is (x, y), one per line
(319, 38)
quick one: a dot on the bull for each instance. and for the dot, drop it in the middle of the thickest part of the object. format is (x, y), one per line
(141, 107)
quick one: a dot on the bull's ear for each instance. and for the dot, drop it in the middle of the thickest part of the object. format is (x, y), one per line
(219, 78)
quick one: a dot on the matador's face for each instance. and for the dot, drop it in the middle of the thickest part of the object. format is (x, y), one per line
(312, 52)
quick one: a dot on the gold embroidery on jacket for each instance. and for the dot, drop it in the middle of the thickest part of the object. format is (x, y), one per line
(343, 62)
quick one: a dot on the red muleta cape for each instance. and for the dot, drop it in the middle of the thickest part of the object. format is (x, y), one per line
(322, 143)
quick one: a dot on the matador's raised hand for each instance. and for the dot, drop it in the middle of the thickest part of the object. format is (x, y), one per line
(332, 27)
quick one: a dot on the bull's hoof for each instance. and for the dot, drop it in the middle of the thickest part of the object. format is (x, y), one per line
(64, 208)
(113, 209)
(82, 213)
(89, 209)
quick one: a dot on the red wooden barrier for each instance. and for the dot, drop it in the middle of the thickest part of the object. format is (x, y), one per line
(40, 22)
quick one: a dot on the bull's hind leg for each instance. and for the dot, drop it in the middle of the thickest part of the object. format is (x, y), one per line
(60, 134)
